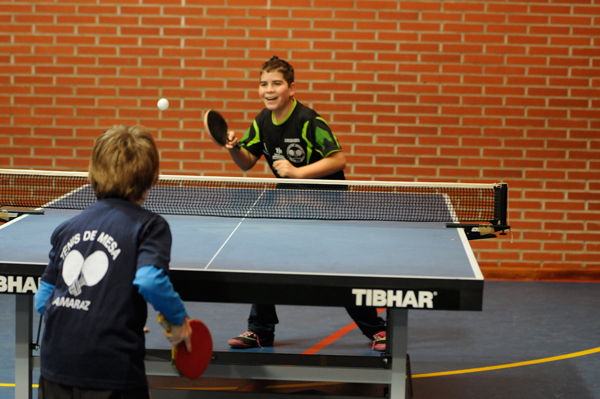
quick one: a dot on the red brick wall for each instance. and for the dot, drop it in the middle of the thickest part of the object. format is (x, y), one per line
(467, 91)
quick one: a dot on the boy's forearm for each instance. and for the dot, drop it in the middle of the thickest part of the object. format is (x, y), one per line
(324, 167)
(242, 158)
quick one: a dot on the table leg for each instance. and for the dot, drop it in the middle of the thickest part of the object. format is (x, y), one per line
(23, 355)
(397, 343)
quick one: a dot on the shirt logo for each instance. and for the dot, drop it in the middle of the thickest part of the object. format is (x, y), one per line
(295, 153)
(78, 272)
(278, 154)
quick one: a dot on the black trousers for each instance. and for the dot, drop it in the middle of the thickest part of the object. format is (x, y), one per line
(50, 390)
(263, 318)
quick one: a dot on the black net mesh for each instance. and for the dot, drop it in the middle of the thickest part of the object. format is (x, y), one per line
(270, 198)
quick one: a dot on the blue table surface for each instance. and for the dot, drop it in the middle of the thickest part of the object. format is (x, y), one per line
(295, 246)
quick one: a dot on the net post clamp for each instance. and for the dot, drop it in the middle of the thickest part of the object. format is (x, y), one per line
(10, 214)
(479, 231)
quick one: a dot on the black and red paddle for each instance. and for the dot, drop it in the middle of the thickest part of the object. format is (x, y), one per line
(192, 364)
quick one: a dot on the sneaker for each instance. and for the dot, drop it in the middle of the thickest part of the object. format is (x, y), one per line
(379, 341)
(248, 340)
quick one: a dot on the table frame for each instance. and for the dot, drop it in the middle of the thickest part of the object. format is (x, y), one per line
(389, 369)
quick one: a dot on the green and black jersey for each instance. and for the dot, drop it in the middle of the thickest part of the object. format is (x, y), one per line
(303, 138)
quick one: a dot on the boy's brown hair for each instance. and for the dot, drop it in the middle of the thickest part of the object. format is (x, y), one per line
(124, 163)
(277, 65)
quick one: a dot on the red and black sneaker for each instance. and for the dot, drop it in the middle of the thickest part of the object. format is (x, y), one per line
(379, 341)
(248, 340)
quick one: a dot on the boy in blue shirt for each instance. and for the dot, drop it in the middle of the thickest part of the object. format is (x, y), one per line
(105, 263)
(297, 143)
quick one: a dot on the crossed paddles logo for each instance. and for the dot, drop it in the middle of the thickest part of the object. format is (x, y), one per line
(78, 272)
(295, 153)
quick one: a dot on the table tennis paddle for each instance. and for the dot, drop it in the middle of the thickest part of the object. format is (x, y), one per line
(192, 364)
(217, 128)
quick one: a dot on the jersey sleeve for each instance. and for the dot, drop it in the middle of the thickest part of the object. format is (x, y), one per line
(155, 244)
(52, 270)
(151, 277)
(322, 138)
(42, 295)
(156, 288)
(252, 140)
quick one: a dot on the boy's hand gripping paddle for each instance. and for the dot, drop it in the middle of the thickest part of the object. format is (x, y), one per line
(217, 128)
(192, 364)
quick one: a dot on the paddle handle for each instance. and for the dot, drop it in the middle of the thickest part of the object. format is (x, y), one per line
(166, 324)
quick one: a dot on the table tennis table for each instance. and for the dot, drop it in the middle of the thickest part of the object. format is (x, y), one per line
(398, 265)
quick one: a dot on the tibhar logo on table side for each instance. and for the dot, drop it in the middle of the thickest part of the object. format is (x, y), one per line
(19, 284)
(394, 298)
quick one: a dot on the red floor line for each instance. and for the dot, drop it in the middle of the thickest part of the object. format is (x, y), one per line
(333, 337)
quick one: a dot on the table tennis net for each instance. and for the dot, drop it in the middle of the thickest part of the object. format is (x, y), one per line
(272, 198)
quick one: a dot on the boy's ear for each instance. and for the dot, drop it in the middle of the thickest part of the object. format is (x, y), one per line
(292, 89)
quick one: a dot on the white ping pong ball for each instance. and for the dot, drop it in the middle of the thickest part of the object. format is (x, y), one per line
(163, 104)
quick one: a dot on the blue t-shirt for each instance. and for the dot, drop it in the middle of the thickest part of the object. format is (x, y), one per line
(95, 316)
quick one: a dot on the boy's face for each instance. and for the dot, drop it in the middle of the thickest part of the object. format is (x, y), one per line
(274, 91)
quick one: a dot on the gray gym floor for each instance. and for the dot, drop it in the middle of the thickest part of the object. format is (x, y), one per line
(532, 340)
